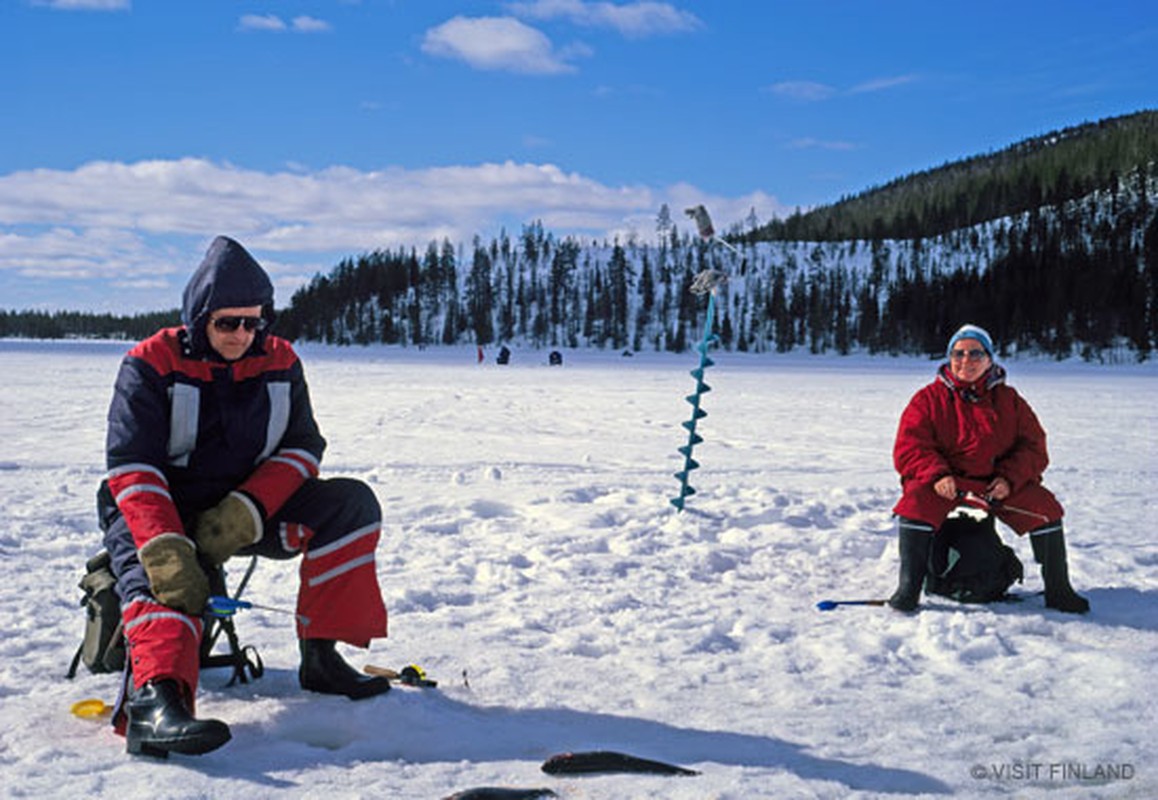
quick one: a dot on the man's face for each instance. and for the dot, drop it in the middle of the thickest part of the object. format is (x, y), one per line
(231, 330)
(968, 360)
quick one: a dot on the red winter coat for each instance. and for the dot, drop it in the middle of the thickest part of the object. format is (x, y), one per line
(974, 432)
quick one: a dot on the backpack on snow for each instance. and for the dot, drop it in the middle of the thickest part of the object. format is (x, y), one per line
(969, 563)
(103, 647)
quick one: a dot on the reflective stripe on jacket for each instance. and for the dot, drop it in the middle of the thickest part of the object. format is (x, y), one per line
(185, 431)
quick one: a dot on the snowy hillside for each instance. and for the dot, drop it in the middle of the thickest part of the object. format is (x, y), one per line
(532, 563)
(1074, 278)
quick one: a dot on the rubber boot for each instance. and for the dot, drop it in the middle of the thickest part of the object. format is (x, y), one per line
(159, 723)
(324, 670)
(1049, 550)
(913, 540)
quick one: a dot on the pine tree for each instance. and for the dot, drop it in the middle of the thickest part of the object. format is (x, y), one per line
(480, 296)
(620, 279)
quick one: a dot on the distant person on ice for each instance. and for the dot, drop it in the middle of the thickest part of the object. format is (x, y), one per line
(213, 450)
(969, 436)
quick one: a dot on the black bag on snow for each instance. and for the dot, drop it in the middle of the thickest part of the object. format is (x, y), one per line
(969, 563)
(103, 647)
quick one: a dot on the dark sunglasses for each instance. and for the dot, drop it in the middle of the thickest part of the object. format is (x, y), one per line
(230, 324)
(974, 355)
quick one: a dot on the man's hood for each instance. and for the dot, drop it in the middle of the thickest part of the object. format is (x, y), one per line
(228, 277)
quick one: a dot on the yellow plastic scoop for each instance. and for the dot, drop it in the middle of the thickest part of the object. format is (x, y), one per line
(91, 709)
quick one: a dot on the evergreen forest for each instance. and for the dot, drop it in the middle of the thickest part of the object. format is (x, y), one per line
(1052, 244)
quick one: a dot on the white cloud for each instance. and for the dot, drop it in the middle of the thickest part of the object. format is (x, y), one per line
(802, 90)
(60, 252)
(146, 223)
(275, 24)
(636, 19)
(811, 91)
(881, 84)
(259, 22)
(310, 25)
(496, 43)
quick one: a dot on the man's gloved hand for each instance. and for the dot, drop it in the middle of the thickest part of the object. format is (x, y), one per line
(175, 576)
(230, 525)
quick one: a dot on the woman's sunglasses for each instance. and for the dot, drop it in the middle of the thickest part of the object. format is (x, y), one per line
(973, 355)
(230, 324)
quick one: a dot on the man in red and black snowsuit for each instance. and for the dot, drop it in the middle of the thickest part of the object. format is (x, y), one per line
(213, 450)
(969, 436)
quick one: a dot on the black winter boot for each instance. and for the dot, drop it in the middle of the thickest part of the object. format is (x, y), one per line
(1049, 550)
(324, 670)
(913, 539)
(160, 723)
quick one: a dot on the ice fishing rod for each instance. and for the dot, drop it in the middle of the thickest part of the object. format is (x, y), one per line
(829, 605)
(221, 606)
(982, 501)
(987, 503)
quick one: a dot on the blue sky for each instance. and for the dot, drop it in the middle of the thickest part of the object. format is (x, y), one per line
(133, 131)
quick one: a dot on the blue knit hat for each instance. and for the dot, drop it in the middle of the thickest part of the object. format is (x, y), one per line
(971, 332)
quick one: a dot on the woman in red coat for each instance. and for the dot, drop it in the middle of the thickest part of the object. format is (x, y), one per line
(968, 437)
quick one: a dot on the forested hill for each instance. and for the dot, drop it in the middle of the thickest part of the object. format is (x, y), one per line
(82, 325)
(1047, 170)
(1059, 256)
(1051, 243)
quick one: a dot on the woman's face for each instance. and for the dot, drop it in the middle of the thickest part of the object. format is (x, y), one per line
(968, 360)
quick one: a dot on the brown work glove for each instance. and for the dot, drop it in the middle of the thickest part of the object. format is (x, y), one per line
(230, 525)
(177, 580)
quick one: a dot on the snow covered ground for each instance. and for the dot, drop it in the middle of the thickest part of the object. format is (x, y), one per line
(532, 563)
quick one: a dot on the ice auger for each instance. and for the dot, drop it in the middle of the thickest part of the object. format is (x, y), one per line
(709, 339)
(707, 282)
